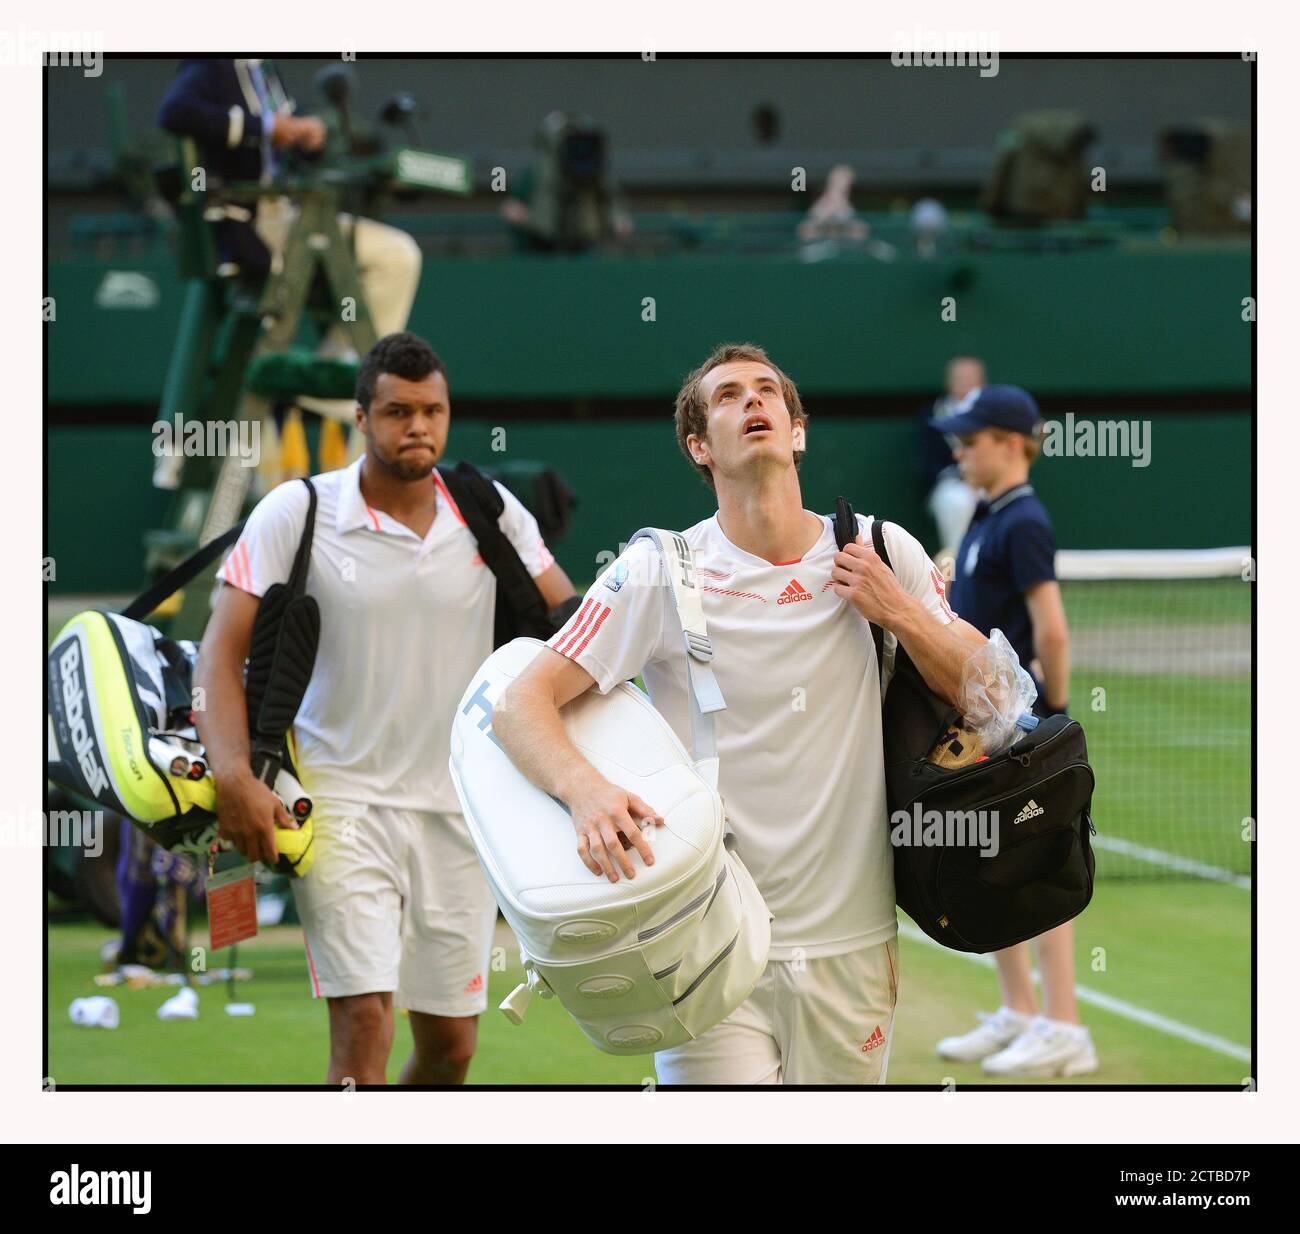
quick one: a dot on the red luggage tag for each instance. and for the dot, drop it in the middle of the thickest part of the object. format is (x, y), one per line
(232, 907)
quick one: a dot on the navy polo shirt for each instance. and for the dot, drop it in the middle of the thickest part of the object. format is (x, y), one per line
(1008, 548)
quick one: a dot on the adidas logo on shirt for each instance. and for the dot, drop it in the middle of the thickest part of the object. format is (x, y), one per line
(1032, 810)
(876, 1038)
(793, 593)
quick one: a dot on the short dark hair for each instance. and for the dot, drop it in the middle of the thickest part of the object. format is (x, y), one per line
(403, 354)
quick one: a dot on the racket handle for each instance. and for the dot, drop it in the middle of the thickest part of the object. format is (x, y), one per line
(176, 760)
(294, 796)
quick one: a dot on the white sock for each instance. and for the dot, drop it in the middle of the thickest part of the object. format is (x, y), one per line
(1075, 1030)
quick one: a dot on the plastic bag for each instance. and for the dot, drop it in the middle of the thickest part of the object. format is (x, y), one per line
(995, 692)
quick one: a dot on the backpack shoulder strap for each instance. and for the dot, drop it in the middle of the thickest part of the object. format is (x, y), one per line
(705, 694)
(878, 541)
(176, 578)
(481, 506)
(466, 478)
(877, 634)
(282, 655)
(846, 531)
(302, 558)
(196, 562)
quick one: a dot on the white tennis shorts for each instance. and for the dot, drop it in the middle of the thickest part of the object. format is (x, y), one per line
(823, 1021)
(395, 901)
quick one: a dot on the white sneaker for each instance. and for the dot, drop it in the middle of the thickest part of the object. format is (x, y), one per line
(995, 1033)
(1046, 1048)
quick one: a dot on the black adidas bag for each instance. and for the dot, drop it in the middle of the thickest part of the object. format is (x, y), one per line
(1037, 796)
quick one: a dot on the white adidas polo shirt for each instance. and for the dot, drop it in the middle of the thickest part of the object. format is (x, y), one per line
(405, 623)
(802, 762)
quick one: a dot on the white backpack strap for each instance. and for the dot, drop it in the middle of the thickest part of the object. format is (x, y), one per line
(705, 696)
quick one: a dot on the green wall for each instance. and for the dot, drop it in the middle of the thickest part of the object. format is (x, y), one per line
(1196, 492)
(100, 500)
(1136, 316)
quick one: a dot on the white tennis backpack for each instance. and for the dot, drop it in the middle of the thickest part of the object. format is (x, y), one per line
(643, 964)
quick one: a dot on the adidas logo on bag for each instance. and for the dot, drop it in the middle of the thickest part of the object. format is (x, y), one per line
(1031, 810)
(793, 593)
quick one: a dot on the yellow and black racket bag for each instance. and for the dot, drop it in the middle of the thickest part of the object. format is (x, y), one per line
(119, 710)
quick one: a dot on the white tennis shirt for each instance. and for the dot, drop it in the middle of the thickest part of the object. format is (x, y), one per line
(405, 622)
(800, 749)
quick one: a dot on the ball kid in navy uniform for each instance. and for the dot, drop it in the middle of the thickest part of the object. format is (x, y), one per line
(1004, 578)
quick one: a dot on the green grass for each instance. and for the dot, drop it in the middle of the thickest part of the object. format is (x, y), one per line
(287, 1040)
(1195, 602)
(1172, 761)
(1178, 948)
(1171, 751)
(1161, 683)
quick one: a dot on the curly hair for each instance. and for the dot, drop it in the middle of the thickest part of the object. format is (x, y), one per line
(404, 354)
(691, 413)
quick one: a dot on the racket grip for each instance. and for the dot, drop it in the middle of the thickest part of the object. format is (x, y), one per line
(176, 760)
(294, 796)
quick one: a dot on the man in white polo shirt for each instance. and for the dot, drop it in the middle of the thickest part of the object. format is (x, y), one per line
(801, 756)
(395, 902)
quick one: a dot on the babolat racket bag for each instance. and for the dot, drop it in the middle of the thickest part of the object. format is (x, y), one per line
(119, 725)
(643, 964)
(1028, 808)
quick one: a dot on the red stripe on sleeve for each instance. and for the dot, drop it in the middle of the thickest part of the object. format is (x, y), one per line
(583, 625)
(604, 612)
(233, 570)
(941, 587)
(572, 627)
(581, 622)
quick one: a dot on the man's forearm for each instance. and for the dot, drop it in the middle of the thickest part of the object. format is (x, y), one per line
(528, 727)
(222, 723)
(939, 651)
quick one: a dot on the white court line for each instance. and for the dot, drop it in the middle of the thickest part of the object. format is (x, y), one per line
(1171, 861)
(1140, 1015)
